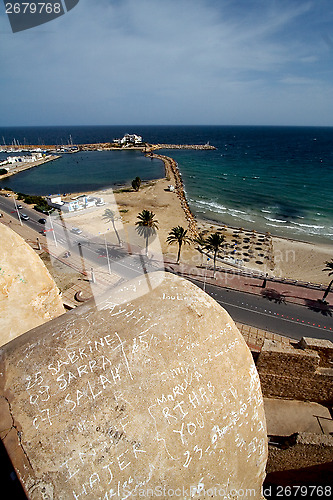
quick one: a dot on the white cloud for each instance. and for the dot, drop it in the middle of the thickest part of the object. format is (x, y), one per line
(154, 61)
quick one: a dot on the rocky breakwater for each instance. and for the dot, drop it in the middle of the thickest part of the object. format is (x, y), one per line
(183, 146)
(172, 173)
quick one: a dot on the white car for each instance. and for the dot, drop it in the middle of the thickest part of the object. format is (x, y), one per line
(25, 217)
(76, 230)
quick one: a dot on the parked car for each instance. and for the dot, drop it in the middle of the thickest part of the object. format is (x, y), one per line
(25, 216)
(42, 221)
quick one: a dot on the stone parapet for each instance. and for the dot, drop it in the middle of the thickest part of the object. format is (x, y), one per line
(322, 346)
(294, 373)
(275, 356)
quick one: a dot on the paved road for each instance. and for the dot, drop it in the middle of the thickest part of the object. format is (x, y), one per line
(92, 249)
(7, 205)
(286, 319)
(95, 251)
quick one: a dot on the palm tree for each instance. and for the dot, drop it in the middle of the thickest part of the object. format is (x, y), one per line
(147, 225)
(200, 240)
(214, 243)
(329, 268)
(178, 235)
(110, 216)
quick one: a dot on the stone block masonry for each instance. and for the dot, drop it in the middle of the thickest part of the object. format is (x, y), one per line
(302, 372)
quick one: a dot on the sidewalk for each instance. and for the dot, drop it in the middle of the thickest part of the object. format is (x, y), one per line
(274, 290)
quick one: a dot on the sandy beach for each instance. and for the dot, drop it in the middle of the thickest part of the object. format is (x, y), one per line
(248, 250)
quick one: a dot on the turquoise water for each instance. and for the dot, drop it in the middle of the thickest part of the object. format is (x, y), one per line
(276, 179)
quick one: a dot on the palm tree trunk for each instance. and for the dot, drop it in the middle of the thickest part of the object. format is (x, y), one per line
(179, 249)
(327, 291)
(115, 230)
(214, 273)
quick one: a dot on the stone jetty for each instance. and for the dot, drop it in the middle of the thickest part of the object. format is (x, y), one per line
(172, 172)
(145, 147)
(182, 146)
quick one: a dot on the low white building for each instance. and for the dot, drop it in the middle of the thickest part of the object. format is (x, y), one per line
(129, 140)
(12, 160)
(55, 201)
(79, 203)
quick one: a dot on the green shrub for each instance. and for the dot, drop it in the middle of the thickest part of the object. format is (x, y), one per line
(136, 183)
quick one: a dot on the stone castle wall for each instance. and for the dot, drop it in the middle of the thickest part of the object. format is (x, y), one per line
(303, 372)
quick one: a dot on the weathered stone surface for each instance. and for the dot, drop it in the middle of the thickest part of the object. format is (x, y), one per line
(28, 294)
(285, 417)
(156, 395)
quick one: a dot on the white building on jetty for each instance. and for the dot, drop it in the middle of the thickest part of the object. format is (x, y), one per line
(129, 140)
(13, 160)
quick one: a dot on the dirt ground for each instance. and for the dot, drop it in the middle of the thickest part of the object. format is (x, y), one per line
(63, 275)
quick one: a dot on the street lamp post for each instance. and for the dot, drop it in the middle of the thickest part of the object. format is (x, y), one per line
(17, 210)
(204, 287)
(107, 254)
(52, 228)
(93, 279)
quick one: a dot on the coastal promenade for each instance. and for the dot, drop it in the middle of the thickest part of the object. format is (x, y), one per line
(273, 290)
(182, 146)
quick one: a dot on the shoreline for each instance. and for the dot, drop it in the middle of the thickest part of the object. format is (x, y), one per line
(278, 256)
(312, 240)
(287, 258)
(261, 253)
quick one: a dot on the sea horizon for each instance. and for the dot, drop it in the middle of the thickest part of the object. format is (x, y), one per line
(270, 178)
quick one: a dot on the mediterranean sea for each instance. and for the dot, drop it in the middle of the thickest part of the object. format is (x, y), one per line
(276, 179)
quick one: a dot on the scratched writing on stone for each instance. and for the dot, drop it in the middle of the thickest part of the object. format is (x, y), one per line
(92, 365)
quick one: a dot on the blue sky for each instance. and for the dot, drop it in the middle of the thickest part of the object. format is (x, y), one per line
(228, 62)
